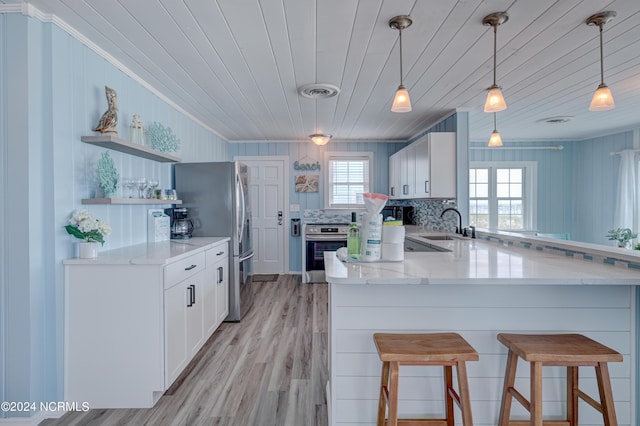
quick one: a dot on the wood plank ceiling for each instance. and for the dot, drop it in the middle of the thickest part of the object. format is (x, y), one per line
(237, 65)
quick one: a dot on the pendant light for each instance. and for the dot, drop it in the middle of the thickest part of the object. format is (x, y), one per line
(401, 102)
(495, 139)
(320, 138)
(602, 99)
(495, 101)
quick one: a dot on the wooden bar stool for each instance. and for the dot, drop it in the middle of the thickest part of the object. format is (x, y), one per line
(567, 350)
(444, 349)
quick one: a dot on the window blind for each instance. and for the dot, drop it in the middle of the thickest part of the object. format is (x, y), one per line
(348, 179)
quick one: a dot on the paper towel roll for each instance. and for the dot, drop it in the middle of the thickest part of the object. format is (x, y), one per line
(393, 234)
(393, 251)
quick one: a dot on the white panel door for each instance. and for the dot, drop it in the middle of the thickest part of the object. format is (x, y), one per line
(266, 192)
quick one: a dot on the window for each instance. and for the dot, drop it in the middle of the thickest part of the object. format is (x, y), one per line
(347, 177)
(503, 195)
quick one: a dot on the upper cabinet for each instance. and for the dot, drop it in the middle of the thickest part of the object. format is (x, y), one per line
(424, 169)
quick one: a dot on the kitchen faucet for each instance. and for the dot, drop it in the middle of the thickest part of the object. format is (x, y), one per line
(458, 228)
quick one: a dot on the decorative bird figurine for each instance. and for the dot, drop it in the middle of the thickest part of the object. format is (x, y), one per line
(109, 119)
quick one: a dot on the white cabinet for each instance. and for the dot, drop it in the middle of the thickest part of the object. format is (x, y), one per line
(394, 177)
(424, 169)
(216, 287)
(136, 316)
(183, 314)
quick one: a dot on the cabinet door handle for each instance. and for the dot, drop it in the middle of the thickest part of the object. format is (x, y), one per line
(405, 189)
(188, 268)
(219, 274)
(190, 293)
(426, 186)
(220, 253)
(393, 190)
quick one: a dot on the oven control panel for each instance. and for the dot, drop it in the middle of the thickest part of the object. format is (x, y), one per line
(333, 229)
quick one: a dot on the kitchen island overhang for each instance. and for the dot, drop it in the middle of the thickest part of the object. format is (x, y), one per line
(478, 289)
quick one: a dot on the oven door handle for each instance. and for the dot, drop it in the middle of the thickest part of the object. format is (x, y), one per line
(247, 257)
(326, 238)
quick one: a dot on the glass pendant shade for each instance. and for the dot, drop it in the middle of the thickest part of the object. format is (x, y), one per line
(320, 139)
(495, 139)
(602, 99)
(495, 101)
(401, 103)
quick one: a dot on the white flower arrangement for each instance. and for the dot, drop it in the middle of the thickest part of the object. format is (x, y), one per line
(83, 226)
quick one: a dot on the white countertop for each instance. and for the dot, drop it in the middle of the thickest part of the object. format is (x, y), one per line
(159, 253)
(475, 261)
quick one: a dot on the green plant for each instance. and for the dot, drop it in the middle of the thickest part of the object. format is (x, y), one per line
(621, 235)
(83, 226)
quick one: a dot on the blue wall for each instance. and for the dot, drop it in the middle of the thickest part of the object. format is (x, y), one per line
(308, 152)
(594, 185)
(577, 186)
(52, 93)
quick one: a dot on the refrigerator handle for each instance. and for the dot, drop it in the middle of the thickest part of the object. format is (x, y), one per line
(247, 257)
(240, 194)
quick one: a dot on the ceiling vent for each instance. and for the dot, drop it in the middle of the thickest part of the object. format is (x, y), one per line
(560, 119)
(319, 91)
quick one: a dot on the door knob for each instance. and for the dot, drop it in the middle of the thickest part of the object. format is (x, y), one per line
(280, 217)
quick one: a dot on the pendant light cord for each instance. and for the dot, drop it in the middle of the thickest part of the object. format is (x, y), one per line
(495, 127)
(495, 48)
(401, 84)
(601, 59)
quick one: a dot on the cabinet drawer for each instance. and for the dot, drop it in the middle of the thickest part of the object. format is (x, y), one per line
(216, 253)
(182, 269)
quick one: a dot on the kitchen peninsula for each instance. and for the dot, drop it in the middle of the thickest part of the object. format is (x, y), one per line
(481, 287)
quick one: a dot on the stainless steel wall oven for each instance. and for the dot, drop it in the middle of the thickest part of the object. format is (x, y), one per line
(318, 238)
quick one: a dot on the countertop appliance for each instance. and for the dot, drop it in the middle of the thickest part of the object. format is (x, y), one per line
(181, 225)
(318, 238)
(216, 195)
(403, 213)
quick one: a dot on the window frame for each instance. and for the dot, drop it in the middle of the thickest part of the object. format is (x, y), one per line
(346, 156)
(529, 192)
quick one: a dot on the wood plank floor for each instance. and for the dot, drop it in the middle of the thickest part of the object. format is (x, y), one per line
(268, 369)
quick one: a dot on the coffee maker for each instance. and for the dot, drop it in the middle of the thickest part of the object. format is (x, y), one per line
(181, 226)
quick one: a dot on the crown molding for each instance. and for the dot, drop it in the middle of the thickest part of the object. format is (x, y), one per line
(33, 12)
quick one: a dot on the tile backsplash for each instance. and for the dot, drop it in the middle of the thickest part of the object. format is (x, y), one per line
(427, 214)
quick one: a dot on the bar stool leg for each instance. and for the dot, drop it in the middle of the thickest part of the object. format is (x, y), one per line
(509, 381)
(572, 396)
(393, 394)
(448, 384)
(465, 397)
(382, 402)
(535, 408)
(606, 395)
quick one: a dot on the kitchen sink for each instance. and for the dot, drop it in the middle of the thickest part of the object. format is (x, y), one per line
(437, 237)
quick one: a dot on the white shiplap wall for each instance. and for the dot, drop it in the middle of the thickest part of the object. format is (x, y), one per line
(478, 313)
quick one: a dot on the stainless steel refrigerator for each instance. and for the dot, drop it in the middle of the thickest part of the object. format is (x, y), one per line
(218, 202)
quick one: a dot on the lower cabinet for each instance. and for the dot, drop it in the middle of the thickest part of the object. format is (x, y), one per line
(184, 329)
(216, 287)
(131, 329)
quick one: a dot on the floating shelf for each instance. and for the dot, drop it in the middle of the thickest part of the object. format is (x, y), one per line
(146, 201)
(117, 144)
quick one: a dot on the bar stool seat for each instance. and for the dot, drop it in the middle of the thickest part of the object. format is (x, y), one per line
(567, 350)
(440, 349)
